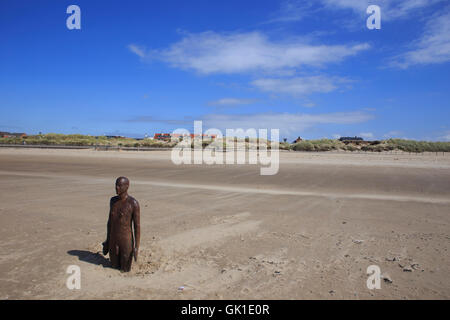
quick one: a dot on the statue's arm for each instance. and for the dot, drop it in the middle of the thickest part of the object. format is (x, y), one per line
(108, 227)
(137, 226)
(108, 231)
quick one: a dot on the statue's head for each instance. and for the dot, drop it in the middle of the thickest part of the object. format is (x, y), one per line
(122, 184)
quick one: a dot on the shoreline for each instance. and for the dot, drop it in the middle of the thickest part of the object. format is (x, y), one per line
(117, 148)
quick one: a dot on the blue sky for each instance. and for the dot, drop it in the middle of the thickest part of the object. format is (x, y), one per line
(310, 68)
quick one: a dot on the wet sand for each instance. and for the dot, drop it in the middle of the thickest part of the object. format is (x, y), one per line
(309, 232)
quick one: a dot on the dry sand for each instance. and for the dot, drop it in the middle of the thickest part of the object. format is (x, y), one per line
(308, 232)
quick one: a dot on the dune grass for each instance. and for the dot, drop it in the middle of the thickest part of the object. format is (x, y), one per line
(373, 146)
(84, 140)
(305, 145)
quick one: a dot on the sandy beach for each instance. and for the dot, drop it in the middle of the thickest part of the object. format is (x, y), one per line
(225, 231)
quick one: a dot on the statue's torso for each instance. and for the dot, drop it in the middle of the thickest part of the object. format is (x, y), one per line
(121, 218)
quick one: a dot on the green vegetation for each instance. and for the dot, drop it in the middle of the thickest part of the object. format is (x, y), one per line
(84, 140)
(372, 146)
(318, 145)
(418, 146)
(305, 145)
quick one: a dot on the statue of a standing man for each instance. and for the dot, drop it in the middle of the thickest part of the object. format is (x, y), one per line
(124, 218)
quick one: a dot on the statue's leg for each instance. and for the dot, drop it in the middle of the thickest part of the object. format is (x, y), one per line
(126, 255)
(114, 256)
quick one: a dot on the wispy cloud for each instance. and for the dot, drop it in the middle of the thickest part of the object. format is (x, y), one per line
(296, 10)
(291, 10)
(151, 119)
(211, 52)
(392, 134)
(445, 137)
(336, 135)
(299, 85)
(358, 6)
(231, 102)
(390, 9)
(366, 135)
(404, 8)
(139, 50)
(433, 46)
(309, 104)
(288, 123)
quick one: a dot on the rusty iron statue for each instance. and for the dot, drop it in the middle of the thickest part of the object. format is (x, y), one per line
(124, 218)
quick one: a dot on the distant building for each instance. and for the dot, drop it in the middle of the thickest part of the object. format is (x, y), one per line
(4, 134)
(351, 138)
(298, 140)
(162, 136)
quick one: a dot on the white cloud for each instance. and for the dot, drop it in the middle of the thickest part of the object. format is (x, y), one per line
(366, 135)
(392, 134)
(432, 47)
(287, 122)
(231, 102)
(403, 8)
(390, 9)
(336, 136)
(299, 85)
(291, 10)
(140, 51)
(211, 52)
(295, 10)
(359, 6)
(445, 137)
(309, 104)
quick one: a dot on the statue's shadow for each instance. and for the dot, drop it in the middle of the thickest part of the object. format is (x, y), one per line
(91, 257)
